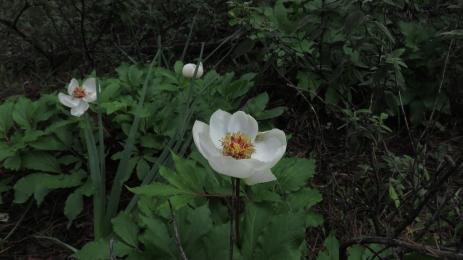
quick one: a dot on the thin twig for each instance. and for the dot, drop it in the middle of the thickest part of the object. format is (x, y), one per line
(177, 235)
(57, 241)
(423, 249)
(406, 122)
(441, 84)
(187, 43)
(431, 192)
(17, 223)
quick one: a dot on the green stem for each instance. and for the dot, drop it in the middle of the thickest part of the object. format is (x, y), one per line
(237, 212)
(94, 167)
(123, 173)
(232, 217)
(102, 157)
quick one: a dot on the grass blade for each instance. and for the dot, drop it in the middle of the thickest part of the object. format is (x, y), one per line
(122, 173)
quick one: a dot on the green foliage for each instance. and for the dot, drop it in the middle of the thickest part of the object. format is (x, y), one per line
(198, 198)
(40, 136)
(331, 251)
(354, 54)
(40, 184)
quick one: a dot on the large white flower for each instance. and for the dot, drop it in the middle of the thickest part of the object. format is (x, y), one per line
(233, 146)
(79, 96)
(189, 70)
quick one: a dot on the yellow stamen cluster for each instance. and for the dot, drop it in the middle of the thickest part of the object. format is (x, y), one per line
(238, 146)
(78, 92)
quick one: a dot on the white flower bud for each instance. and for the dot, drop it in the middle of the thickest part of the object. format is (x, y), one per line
(189, 70)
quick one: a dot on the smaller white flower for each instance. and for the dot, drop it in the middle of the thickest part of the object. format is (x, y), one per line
(233, 146)
(79, 96)
(189, 70)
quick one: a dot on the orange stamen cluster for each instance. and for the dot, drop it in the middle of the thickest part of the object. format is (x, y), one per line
(78, 92)
(238, 146)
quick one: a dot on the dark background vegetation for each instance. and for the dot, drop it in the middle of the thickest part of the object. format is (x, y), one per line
(373, 91)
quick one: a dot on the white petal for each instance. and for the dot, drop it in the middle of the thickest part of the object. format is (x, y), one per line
(200, 72)
(80, 109)
(68, 101)
(270, 146)
(243, 123)
(260, 177)
(203, 141)
(189, 70)
(89, 86)
(229, 166)
(72, 85)
(219, 127)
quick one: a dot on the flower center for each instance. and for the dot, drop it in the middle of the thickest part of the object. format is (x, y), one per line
(237, 145)
(78, 92)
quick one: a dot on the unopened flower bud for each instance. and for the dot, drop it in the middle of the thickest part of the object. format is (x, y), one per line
(189, 70)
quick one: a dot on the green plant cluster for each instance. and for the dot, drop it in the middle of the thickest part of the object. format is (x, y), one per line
(43, 150)
(273, 219)
(39, 140)
(386, 56)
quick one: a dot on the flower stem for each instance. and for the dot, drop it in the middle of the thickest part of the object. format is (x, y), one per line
(95, 175)
(235, 216)
(237, 212)
(232, 217)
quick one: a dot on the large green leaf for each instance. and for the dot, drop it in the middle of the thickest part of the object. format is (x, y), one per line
(156, 238)
(216, 243)
(48, 143)
(294, 173)
(304, 198)
(6, 119)
(74, 203)
(256, 104)
(40, 184)
(331, 251)
(193, 224)
(12, 162)
(23, 113)
(282, 237)
(40, 161)
(255, 220)
(99, 250)
(187, 177)
(125, 228)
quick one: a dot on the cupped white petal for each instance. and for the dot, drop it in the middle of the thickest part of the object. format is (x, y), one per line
(68, 101)
(270, 146)
(219, 127)
(243, 123)
(230, 166)
(203, 141)
(89, 87)
(80, 109)
(260, 177)
(72, 85)
(188, 70)
(200, 72)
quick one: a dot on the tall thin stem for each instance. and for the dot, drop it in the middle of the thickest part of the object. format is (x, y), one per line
(232, 207)
(237, 212)
(101, 156)
(95, 174)
(235, 216)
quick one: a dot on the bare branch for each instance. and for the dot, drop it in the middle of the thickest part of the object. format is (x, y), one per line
(177, 235)
(440, 253)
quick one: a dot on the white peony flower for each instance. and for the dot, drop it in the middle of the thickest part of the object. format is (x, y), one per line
(189, 70)
(79, 96)
(233, 146)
